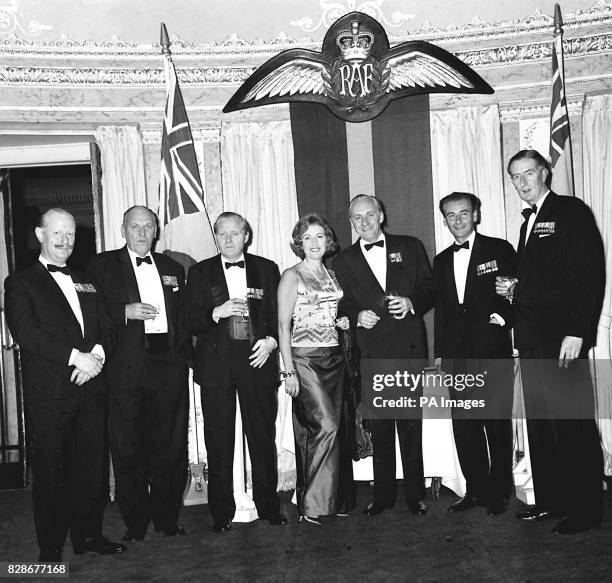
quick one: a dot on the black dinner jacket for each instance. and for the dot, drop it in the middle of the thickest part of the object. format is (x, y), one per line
(561, 276)
(114, 271)
(46, 329)
(463, 331)
(206, 289)
(409, 274)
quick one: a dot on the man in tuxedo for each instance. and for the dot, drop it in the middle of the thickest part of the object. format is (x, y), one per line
(59, 319)
(376, 264)
(557, 298)
(230, 306)
(472, 334)
(147, 378)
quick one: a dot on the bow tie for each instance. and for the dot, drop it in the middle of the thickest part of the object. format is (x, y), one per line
(464, 245)
(369, 246)
(57, 269)
(140, 260)
(529, 211)
(229, 264)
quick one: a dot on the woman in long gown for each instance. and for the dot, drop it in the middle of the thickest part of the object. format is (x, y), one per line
(308, 296)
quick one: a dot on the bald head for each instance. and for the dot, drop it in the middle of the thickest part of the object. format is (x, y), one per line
(44, 218)
(139, 228)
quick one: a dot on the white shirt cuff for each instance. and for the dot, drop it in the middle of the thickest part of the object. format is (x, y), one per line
(498, 319)
(97, 350)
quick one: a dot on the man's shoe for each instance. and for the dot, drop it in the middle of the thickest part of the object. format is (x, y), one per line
(373, 509)
(176, 531)
(130, 537)
(100, 545)
(50, 555)
(574, 525)
(466, 503)
(536, 515)
(498, 506)
(222, 526)
(276, 519)
(418, 506)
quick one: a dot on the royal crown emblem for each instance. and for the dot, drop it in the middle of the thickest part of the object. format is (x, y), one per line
(355, 44)
(357, 73)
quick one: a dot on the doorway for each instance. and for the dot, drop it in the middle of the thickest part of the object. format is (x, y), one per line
(35, 190)
(27, 192)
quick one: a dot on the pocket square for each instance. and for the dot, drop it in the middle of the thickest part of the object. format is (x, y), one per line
(170, 280)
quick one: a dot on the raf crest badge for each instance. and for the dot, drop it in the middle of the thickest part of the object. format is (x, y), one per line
(356, 74)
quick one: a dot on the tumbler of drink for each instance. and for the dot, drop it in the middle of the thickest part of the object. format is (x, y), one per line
(508, 283)
(389, 297)
(245, 312)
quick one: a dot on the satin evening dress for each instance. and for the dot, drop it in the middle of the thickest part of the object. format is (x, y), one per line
(323, 459)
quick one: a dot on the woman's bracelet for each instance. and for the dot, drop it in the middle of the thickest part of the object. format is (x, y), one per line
(287, 374)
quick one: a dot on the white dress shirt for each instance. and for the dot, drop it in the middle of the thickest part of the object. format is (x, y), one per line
(236, 280)
(377, 260)
(461, 261)
(66, 284)
(151, 292)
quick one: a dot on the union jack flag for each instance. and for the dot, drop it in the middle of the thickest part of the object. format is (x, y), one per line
(560, 140)
(182, 214)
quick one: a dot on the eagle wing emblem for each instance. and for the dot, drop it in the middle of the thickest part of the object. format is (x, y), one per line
(357, 74)
(287, 76)
(427, 68)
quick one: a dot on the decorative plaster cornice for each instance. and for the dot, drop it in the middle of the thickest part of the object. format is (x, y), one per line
(332, 11)
(11, 20)
(509, 112)
(537, 51)
(207, 132)
(477, 31)
(72, 76)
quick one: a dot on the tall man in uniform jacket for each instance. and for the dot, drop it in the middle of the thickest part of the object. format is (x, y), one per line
(65, 334)
(557, 302)
(147, 377)
(378, 263)
(230, 306)
(472, 334)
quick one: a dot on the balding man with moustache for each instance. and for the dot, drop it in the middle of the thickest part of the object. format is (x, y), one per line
(59, 319)
(147, 378)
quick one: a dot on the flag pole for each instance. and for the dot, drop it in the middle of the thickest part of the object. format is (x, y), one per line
(560, 136)
(164, 40)
(558, 21)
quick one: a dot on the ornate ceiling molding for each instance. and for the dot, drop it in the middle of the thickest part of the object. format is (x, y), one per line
(476, 31)
(537, 51)
(12, 21)
(333, 10)
(208, 132)
(510, 112)
(148, 75)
